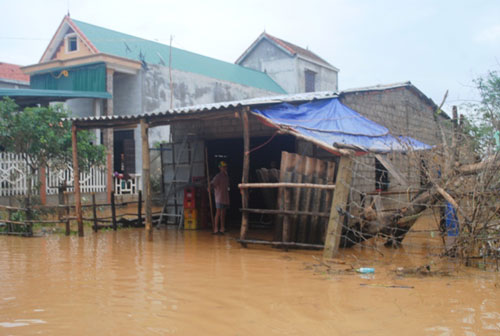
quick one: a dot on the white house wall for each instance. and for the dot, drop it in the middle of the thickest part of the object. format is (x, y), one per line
(325, 80)
(279, 65)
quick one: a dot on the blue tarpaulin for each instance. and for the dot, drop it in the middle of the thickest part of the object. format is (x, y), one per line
(330, 123)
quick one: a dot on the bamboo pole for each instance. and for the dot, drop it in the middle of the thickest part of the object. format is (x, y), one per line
(113, 211)
(139, 208)
(67, 224)
(208, 188)
(340, 196)
(285, 185)
(76, 179)
(146, 179)
(244, 178)
(287, 212)
(94, 213)
(285, 245)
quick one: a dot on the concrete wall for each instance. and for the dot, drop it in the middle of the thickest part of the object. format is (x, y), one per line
(325, 80)
(190, 89)
(81, 107)
(127, 94)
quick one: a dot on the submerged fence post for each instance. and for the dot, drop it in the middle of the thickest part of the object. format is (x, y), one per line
(139, 209)
(76, 183)
(342, 186)
(113, 210)
(94, 213)
(146, 179)
(67, 207)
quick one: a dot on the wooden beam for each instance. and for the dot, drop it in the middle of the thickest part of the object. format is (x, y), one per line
(76, 179)
(244, 177)
(343, 184)
(146, 180)
(286, 185)
(391, 169)
(285, 245)
(287, 212)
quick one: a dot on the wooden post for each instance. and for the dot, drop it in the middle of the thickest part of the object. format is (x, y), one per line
(113, 210)
(109, 133)
(146, 179)
(244, 177)
(139, 210)
(342, 186)
(212, 221)
(287, 218)
(76, 179)
(68, 227)
(43, 185)
(10, 226)
(94, 213)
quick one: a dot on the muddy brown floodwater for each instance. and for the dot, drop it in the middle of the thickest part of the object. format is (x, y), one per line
(194, 283)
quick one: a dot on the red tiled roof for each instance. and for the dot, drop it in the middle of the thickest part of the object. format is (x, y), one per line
(13, 72)
(294, 49)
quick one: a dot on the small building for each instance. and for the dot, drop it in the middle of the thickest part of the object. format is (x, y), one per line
(205, 134)
(294, 68)
(12, 77)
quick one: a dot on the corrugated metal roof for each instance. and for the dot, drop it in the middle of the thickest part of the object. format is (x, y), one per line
(295, 98)
(291, 98)
(115, 43)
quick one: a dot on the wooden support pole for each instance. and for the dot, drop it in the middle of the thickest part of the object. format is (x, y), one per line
(342, 184)
(287, 219)
(94, 213)
(146, 179)
(286, 185)
(139, 209)
(244, 178)
(67, 224)
(76, 179)
(210, 206)
(43, 185)
(113, 211)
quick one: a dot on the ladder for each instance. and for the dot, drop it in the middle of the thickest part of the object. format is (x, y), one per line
(175, 182)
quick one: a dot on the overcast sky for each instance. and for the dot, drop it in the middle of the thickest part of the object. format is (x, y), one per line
(437, 45)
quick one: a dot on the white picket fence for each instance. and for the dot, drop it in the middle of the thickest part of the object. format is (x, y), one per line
(13, 181)
(13, 170)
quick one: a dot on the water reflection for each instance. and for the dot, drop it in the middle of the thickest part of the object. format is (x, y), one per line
(195, 283)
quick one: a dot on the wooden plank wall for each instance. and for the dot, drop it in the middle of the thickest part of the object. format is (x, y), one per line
(303, 169)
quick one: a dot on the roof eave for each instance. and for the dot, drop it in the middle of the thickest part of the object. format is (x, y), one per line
(119, 64)
(323, 64)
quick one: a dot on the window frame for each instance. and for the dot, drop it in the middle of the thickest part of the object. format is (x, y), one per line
(309, 74)
(68, 39)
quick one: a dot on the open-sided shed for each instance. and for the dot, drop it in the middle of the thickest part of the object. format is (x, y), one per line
(316, 118)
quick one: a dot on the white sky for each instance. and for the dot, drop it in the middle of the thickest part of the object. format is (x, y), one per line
(437, 45)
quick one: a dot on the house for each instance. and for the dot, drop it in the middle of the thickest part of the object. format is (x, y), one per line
(143, 76)
(294, 68)
(12, 77)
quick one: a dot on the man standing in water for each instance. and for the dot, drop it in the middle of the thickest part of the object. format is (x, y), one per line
(220, 183)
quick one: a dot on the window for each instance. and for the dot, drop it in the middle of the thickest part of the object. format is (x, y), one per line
(381, 177)
(310, 77)
(71, 43)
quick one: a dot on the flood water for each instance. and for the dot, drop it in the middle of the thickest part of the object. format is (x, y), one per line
(194, 283)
